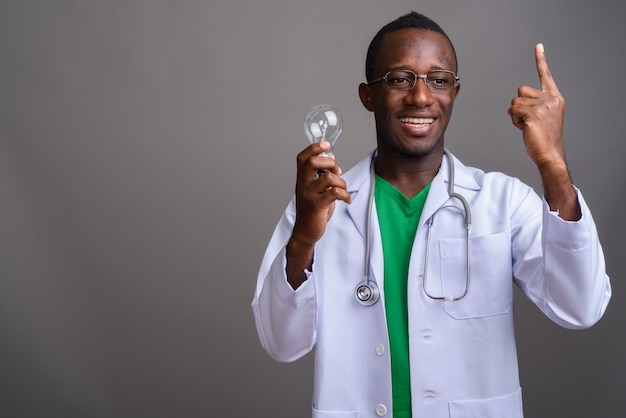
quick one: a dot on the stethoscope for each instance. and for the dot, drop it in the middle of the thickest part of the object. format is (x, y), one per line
(367, 292)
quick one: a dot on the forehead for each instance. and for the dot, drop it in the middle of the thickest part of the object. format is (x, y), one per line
(417, 49)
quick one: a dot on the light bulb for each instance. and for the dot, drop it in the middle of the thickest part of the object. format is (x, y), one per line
(323, 123)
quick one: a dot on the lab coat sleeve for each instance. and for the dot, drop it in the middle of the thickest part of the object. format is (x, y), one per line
(285, 318)
(570, 284)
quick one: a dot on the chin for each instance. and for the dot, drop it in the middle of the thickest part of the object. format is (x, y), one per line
(420, 148)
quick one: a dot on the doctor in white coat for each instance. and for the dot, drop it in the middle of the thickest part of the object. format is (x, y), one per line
(460, 339)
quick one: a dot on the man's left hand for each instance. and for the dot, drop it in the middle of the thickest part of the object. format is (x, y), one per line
(539, 115)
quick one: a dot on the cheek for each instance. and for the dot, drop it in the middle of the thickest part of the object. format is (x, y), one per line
(381, 110)
(447, 104)
(385, 103)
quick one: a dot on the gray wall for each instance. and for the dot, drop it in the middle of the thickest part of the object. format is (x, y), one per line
(147, 149)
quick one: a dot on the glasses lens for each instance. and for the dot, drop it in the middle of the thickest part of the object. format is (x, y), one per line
(440, 80)
(400, 80)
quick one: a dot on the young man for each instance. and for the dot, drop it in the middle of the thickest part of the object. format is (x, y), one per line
(441, 243)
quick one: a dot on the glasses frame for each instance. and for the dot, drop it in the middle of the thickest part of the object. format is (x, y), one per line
(431, 87)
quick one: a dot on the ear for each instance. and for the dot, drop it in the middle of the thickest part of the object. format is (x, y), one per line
(365, 93)
(457, 88)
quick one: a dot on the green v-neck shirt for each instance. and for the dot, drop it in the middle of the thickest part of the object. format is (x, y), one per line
(398, 217)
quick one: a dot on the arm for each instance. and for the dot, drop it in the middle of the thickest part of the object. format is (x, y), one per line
(539, 115)
(571, 287)
(284, 303)
(560, 265)
(285, 319)
(577, 287)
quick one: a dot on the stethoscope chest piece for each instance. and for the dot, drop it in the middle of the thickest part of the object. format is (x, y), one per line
(367, 293)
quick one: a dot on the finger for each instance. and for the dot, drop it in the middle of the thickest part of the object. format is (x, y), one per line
(310, 159)
(528, 92)
(517, 120)
(322, 164)
(330, 180)
(336, 192)
(316, 148)
(340, 194)
(324, 145)
(545, 76)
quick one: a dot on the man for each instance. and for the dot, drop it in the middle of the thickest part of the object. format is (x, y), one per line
(440, 341)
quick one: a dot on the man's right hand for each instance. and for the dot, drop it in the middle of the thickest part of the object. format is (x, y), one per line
(318, 186)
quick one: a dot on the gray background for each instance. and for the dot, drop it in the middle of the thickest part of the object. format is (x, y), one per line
(147, 149)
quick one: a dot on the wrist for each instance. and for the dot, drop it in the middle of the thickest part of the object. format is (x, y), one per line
(299, 258)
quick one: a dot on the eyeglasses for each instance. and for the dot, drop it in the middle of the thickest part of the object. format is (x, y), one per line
(406, 79)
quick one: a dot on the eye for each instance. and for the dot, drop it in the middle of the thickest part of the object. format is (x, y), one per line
(399, 80)
(441, 80)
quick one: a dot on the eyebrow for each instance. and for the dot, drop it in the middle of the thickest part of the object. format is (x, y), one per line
(406, 67)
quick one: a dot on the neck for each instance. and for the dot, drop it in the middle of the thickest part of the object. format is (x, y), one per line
(408, 174)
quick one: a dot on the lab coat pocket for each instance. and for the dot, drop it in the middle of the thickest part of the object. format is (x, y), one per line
(508, 406)
(490, 278)
(335, 414)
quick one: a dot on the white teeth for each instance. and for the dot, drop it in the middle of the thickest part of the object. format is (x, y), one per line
(417, 121)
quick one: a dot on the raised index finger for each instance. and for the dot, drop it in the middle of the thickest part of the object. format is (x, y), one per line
(545, 76)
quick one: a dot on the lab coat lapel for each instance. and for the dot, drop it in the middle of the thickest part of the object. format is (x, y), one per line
(359, 182)
(438, 193)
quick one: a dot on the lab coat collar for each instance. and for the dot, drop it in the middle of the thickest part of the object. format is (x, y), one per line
(463, 176)
(359, 182)
(464, 181)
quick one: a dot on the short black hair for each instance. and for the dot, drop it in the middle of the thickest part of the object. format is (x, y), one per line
(411, 20)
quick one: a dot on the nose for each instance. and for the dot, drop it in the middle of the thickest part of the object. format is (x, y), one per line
(420, 95)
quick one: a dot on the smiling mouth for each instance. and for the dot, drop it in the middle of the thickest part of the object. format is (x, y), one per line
(417, 121)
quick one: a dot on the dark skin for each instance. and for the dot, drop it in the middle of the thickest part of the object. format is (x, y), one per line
(315, 202)
(539, 115)
(410, 127)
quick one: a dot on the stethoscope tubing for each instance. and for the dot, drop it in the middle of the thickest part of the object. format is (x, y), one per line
(367, 292)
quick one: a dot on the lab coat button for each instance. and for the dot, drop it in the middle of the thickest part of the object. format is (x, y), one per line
(380, 349)
(381, 410)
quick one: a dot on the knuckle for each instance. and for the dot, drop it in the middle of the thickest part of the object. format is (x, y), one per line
(301, 158)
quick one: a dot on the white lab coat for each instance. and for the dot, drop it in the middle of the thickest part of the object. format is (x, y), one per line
(463, 357)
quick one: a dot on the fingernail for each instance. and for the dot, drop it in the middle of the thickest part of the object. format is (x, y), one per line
(541, 49)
